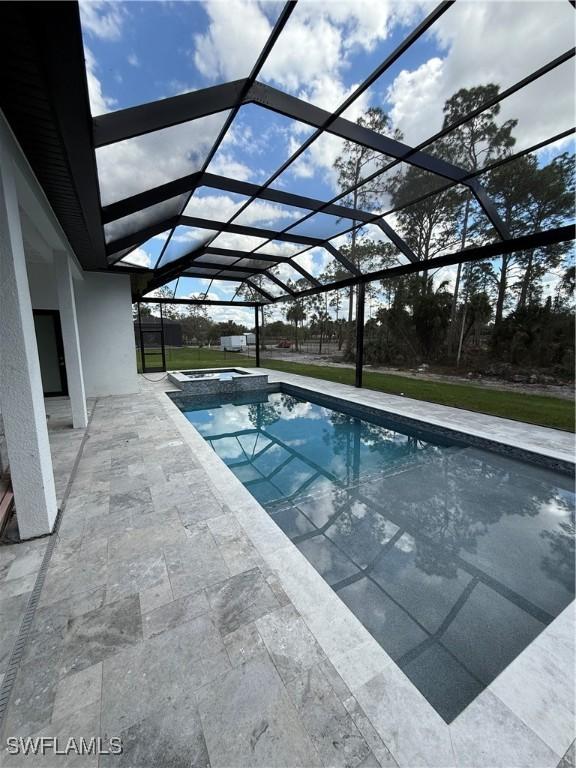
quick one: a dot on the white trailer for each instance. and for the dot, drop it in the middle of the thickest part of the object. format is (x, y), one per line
(232, 343)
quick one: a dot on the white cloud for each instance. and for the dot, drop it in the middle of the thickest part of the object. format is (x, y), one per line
(280, 248)
(286, 273)
(99, 103)
(133, 60)
(237, 242)
(314, 261)
(191, 235)
(224, 164)
(141, 163)
(134, 165)
(498, 42)
(316, 48)
(267, 215)
(102, 19)
(318, 160)
(301, 410)
(414, 91)
(140, 257)
(310, 58)
(221, 291)
(221, 207)
(224, 52)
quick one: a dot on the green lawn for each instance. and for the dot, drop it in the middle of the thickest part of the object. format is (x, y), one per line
(180, 358)
(534, 409)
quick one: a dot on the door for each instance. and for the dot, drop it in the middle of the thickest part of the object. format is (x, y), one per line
(50, 352)
(153, 355)
(152, 349)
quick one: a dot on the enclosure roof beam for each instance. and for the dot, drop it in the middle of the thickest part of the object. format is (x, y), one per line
(176, 267)
(486, 169)
(199, 273)
(237, 291)
(489, 251)
(346, 263)
(149, 197)
(394, 238)
(139, 237)
(212, 302)
(220, 268)
(260, 290)
(241, 229)
(172, 270)
(298, 109)
(277, 29)
(164, 113)
(389, 61)
(185, 184)
(278, 282)
(304, 273)
(225, 184)
(465, 118)
(246, 254)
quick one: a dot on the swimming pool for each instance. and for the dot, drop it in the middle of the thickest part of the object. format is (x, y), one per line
(454, 557)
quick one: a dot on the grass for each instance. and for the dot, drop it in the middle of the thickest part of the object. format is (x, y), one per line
(180, 358)
(533, 409)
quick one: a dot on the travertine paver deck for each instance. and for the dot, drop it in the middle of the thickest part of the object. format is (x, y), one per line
(176, 615)
(160, 622)
(19, 563)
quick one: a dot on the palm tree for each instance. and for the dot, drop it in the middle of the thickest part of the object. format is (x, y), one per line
(296, 314)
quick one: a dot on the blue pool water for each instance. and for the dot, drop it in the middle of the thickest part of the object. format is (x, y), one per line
(454, 558)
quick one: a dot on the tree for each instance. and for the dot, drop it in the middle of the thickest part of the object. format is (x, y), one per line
(508, 188)
(145, 311)
(295, 313)
(549, 204)
(472, 145)
(169, 311)
(228, 328)
(431, 226)
(249, 293)
(352, 165)
(529, 198)
(320, 317)
(196, 324)
(567, 285)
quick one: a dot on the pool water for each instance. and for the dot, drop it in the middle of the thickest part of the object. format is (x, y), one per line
(454, 558)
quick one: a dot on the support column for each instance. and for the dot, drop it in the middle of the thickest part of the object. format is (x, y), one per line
(257, 335)
(361, 290)
(72, 354)
(21, 393)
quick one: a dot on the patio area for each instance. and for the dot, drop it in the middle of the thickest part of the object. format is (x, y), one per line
(392, 195)
(175, 615)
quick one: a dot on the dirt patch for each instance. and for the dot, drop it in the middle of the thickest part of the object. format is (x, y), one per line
(563, 391)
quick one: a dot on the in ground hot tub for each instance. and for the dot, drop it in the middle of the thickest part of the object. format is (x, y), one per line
(213, 381)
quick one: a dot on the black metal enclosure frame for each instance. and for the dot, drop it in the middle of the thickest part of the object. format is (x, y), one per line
(46, 53)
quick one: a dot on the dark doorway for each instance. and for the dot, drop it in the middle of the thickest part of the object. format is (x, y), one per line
(50, 352)
(152, 348)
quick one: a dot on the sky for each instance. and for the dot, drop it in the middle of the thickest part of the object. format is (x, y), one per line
(138, 52)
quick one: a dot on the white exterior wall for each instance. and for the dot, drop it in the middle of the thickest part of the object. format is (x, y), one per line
(104, 306)
(105, 327)
(42, 282)
(71, 338)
